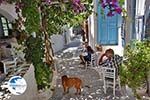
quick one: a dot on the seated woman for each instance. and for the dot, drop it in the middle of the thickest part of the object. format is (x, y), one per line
(107, 55)
(86, 55)
(112, 61)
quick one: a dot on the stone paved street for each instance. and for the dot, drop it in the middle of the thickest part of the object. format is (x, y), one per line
(68, 64)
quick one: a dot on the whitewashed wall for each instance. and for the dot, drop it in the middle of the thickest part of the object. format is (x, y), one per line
(31, 91)
(8, 10)
(91, 31)
(67, 33)
(57, 42)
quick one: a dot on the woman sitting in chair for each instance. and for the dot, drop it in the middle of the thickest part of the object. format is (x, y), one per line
(107, 55)
(86, 55)
(112, 60)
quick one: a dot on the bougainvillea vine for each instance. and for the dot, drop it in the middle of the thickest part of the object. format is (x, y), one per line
(78, 6)
(112, 5)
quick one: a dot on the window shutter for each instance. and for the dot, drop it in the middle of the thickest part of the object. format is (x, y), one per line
(102, 35)
(112, 28)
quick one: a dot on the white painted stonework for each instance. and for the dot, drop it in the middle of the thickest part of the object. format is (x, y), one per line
(31, 91)
(57, 42)
(8, 11)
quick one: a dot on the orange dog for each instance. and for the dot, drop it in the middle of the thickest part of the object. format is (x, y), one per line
(69, 82)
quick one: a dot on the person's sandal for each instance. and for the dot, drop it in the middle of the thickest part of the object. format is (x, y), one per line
(82, 63)
(88, 62)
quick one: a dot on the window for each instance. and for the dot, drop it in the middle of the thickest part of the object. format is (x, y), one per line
(5, 26)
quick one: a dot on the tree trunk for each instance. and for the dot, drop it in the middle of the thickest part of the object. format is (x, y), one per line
(48, 50)
(48, 46)
(86, 30)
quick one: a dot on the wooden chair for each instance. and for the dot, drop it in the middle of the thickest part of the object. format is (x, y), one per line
(110, 79)
(93, 62)
(9, 65)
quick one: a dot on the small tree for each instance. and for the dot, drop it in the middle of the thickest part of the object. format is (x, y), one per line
(136, 69)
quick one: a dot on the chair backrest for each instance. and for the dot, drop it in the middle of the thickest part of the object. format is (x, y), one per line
(109, 72)
(93, 59)
(9, 65)
(115, 62)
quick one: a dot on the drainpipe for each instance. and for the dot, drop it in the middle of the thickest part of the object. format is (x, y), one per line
(143, 31)
(133, 35)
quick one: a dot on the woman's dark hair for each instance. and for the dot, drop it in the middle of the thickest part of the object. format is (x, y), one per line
(89, 49)
(111, 51)
(8, 46)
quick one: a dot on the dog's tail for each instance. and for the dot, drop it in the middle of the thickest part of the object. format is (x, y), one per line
(84, 87)
(87, 86)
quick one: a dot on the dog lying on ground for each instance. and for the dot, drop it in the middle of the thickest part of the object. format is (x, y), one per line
(68, 82)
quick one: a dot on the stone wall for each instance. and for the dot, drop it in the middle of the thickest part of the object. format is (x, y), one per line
(31, 91)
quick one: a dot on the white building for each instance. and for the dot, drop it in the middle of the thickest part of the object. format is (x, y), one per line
(147, 19)
(7, 16)
(135, 19)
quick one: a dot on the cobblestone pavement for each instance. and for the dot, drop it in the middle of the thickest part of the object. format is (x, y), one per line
(68, 64)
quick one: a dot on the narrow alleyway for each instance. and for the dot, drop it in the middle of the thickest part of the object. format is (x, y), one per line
(68, 64)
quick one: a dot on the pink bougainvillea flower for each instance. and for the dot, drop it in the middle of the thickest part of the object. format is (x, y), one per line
(82, 7)
(18, 6)
(48, 2)
(1, 1)
(114, 5)
(76, 1)
(101, 0)
(78, 6)
(103, 5)
(75, 8)
(118, 10)
(114, 0)
(79, 9)
(108, 1)
(110, 13)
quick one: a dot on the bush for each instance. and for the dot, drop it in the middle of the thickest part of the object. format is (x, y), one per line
(134, 71)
